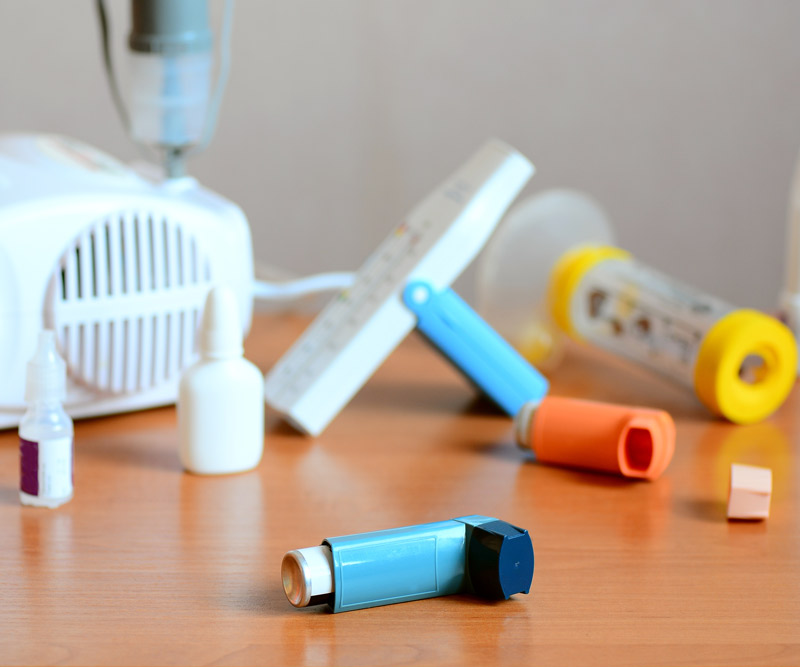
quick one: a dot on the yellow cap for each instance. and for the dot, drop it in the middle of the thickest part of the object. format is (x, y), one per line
(567, 275)
(718, 377)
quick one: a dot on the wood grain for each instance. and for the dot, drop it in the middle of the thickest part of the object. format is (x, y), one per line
(149, 565)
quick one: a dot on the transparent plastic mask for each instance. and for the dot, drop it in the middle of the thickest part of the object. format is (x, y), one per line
(514, 270)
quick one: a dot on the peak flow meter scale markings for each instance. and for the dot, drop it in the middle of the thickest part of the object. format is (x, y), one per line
(341, 321)
(355, 333)
(347, 313)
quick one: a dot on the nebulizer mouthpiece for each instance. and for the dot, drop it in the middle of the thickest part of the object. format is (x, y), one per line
(169, 97)
(170, 76)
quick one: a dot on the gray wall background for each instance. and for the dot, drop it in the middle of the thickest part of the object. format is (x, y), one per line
(682, 118)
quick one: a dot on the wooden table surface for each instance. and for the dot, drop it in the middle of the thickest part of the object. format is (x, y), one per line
(149, 565)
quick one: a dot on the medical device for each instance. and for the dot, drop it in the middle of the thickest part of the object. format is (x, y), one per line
(118, 260)
(221, 397)
(740, 363)
(46, 431)
(117, 263)
(471, 554)
(630, 441)
(171, 107)
(353, 335)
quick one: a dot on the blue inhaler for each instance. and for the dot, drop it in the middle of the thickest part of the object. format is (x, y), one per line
(471, 554)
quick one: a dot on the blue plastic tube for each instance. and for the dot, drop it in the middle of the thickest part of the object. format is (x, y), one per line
(473, 347)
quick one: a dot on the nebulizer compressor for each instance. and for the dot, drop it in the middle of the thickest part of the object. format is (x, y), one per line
(126, 254)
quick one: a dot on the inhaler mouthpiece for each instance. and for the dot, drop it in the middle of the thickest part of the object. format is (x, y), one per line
(46, 372)
(306, 574)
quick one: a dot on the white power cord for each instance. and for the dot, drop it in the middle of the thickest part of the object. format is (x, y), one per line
(288, 290)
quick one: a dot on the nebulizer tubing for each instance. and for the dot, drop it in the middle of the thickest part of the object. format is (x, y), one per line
(108, 63)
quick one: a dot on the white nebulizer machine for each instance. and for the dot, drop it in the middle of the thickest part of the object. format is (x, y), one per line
(117, 264)
(118, 260)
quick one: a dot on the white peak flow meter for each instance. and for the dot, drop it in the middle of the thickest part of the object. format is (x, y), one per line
(117, 264)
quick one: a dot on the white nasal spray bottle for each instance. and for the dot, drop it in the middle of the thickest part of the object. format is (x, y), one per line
(221, 397)
(45, 432)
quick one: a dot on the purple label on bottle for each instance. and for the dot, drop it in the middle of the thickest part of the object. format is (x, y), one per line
(29, 467)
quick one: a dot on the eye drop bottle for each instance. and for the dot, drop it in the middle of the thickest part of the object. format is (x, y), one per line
(46, 431)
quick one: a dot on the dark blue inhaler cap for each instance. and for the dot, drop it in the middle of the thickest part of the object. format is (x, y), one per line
(500, 560)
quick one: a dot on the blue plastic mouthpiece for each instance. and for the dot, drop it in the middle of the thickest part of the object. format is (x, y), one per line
(472, 554)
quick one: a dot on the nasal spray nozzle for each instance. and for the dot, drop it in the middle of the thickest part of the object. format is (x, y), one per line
(46, 372)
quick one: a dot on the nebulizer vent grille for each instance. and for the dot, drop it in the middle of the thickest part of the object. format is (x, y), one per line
(125, 301)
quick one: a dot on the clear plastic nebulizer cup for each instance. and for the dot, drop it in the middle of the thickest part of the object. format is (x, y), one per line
(514, 270)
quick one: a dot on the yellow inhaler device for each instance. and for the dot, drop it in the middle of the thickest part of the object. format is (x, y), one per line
(741, 363)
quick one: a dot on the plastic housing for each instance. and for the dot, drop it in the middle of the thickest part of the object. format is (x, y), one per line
(221, 397)
(740, 363)
(117, 263)
(475, 554)
(438, 239)
(473, 347)
(169, 96)
(46, 432)
(629, 441)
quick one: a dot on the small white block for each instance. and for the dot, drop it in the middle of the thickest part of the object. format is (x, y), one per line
(751, 490)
